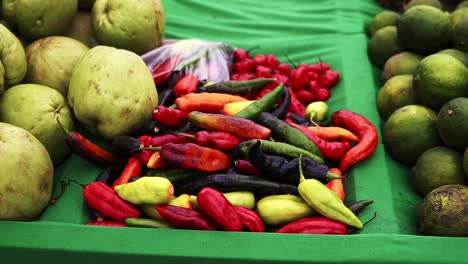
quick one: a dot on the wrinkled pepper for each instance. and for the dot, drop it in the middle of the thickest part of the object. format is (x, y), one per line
(182, 200)
(330, 150)
(250, 220)
(363, 129)
(105, 200)
(191, 156)
(219, 140)
(168, 116)
(325, 201)
(283, 208)
(185, 218)
(160, 140)
(218, 208)
(241, 127)
(315, 225)
(154, 190)
(156, 161)
(206, 102)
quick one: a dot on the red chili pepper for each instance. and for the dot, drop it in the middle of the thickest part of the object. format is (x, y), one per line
(240, 54)
(322, 94)
(105, 200)
(245, 167)
(250, 220)
(315, 225)
(86, 149)
(145, 155)
(329, 150)
(295, 105)
(244, 66)
(328, 79)
(298, 77)
(185, 218)
(305, 97)
(161, 140)
(107, 223)
(185, 85)
(170, 117)
(161, 72)
(259, 59)
(271, 61)
(336, 185)
(219, 140)
(218, 208)
(263, 72)
(132, 169)
(361, 127)
(195, 157)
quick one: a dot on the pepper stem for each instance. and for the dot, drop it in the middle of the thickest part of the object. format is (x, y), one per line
(301, 173)
(65, 130)
(331, 176)
(63, 185)
(145, 148)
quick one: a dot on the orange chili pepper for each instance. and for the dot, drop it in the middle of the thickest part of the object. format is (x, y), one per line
(336, 185)
(333, 133)
(206, 102)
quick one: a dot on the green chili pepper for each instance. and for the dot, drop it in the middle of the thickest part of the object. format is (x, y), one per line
(264, 104)
(152, 190)
(283, 208)
(326, 201)
(286, 133)
(277, 148)
(235, 87)
(146, 222)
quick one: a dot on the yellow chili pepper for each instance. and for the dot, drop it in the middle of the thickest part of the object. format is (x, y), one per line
(152, 190)
(325, 201)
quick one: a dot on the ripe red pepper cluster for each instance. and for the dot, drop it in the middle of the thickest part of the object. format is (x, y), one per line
(307, 83)
(206, 151)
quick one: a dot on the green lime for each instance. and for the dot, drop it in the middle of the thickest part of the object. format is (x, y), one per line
(457, 54)
(381, 20)
(395, 93)
(383, 45)
(460, 35)
(436, 167)
(452, 123)
(438, 79)
(424, 30)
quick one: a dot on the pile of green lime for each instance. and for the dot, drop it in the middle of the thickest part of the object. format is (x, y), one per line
(422, 53)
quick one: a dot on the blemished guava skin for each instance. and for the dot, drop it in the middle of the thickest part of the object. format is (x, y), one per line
(51, 61)
(112, 92)
(36, 19)
(13, 64)
(81, 29)
(35, 108)
(135, 25)
(26, 180)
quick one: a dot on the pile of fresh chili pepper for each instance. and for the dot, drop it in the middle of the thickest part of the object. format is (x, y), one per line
(237, 155)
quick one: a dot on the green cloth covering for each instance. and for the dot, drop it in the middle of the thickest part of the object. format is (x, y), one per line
(303, 31)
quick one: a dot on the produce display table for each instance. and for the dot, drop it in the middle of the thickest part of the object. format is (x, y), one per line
(303, 31)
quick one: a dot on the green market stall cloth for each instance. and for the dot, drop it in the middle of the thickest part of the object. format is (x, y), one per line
(303, 31)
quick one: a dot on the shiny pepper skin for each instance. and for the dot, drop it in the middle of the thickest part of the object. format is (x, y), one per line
(153, 190)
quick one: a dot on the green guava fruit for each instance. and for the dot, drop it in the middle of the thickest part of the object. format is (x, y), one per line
(12, 59)
(51, 61)
(81, 29)
(35, 108)
(26, 181)
(135, 25)
(36, 19)
(112, 92)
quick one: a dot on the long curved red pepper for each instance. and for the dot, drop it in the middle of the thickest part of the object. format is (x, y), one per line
(363, 129)
(220, 140)
(250, 220)
(161, 140)
(315, 225)
(329, 150)
(170, 117)
(218, 208)
(86, 149)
